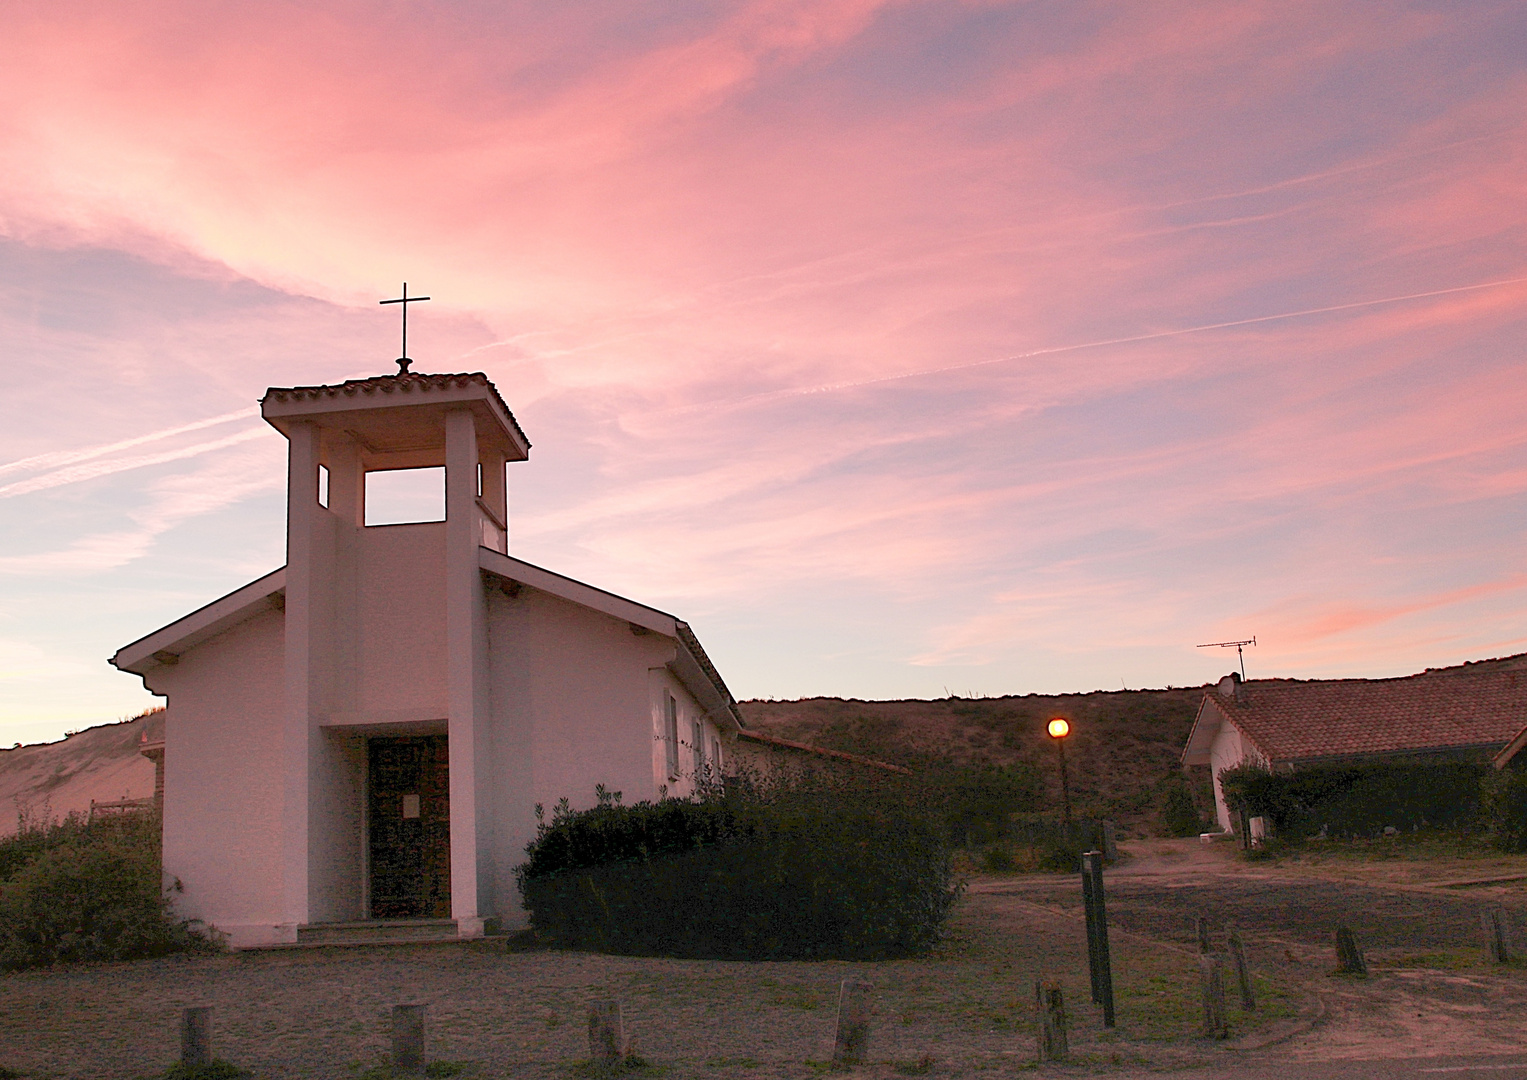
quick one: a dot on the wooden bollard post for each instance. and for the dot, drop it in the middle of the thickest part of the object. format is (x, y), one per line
(1349, 957)
(607, 1032)
(408, 1040)
(1092, 865)
(853, 1033)
(196, 1035)
(1090, 918)
(1201, 926)
(1242, 972)
(1212, 975)
(1497, 934)
(1051, 1006)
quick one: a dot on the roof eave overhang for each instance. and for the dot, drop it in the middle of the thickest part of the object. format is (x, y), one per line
(282, 406)
(1462, 750)
(1510, 750)
(164, 646)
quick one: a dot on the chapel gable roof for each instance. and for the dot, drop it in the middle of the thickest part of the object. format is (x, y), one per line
(1286, 721)
(691, 664)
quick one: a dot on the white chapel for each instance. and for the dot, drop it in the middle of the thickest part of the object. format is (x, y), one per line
(364, 734)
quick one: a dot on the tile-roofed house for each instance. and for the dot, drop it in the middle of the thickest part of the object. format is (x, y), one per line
(1474, 710)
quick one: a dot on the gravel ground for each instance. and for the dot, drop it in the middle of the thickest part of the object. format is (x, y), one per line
(325, 1012)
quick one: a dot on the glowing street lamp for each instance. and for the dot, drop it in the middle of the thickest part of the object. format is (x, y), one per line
(1059, 728)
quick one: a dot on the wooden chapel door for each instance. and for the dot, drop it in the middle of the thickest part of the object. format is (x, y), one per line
(410, 827)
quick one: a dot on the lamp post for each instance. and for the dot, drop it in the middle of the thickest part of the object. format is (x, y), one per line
(1059, 728)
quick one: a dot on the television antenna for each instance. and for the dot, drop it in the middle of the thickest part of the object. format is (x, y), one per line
(1238, 646)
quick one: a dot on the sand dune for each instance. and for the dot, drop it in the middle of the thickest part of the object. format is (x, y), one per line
(60, 778)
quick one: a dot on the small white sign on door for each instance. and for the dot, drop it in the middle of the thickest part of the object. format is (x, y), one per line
(410, 806)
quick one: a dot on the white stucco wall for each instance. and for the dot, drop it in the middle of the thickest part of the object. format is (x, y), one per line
(222, 792)
(1226, 752)
(572, 702)
(402, 639)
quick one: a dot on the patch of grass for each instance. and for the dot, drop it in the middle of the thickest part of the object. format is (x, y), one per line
(733, 1063)
(632, 1066)
(10, 1074)
(1448, 960)
(797, 997)
(435, 1070)
(217, 1069)
(921, 1067)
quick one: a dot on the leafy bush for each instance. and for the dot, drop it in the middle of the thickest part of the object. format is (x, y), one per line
(1056, 846)
(975, 804)
(1503, 808)
(793, 869)
(1358, 799)
(1178, 811)
(88, 892)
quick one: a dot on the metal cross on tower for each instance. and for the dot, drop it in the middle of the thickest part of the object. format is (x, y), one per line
(403, 360)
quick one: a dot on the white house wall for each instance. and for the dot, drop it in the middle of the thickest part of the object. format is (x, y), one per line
(664, 685)
(1227, 751)
(222, 792)
(569, 697)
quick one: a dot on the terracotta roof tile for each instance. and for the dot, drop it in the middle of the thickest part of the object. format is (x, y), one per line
(413, 382)
(1437, 710)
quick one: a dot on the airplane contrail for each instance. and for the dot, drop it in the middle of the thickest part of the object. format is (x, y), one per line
(830, 387)
(75, 473)
(56, 458)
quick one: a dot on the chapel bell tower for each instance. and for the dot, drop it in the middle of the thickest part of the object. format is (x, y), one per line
(385, 627)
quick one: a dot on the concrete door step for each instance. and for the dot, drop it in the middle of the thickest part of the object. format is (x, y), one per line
(372, 932)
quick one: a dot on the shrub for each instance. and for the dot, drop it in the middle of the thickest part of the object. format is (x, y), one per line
(1178, 812)
(1358, 799)
(1056, 846)
(998, 860)
(799, 869)
(1503, 808)
(974, 804)
(90, 892)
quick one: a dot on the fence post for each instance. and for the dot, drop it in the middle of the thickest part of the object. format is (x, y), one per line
(408, 1039)
(1242, 973)
(607, 1032)
(1089, 910)
(1051, 1005)
(853, 1033)
(1212, 975)
(1093, 864)
(196, 1035)
(1110, 839)
(1349, 956)
(1497, 934)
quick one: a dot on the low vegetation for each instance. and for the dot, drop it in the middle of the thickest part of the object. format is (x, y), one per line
(76, 890)
(1359, 800)
(810, 867)
(1124, 752)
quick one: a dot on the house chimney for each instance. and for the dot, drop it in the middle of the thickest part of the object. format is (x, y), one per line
(1230, 689)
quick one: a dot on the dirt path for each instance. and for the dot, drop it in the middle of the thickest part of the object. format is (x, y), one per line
(1430, 991)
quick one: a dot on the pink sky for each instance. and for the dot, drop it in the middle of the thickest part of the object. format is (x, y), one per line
(902, 348)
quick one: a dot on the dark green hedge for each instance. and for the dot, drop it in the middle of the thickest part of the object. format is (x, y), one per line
(809, 871)
(1358, 799)
(1503, 808)
(75, 891)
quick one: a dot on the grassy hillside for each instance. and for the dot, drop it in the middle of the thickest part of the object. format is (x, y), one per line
(1122, 754)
